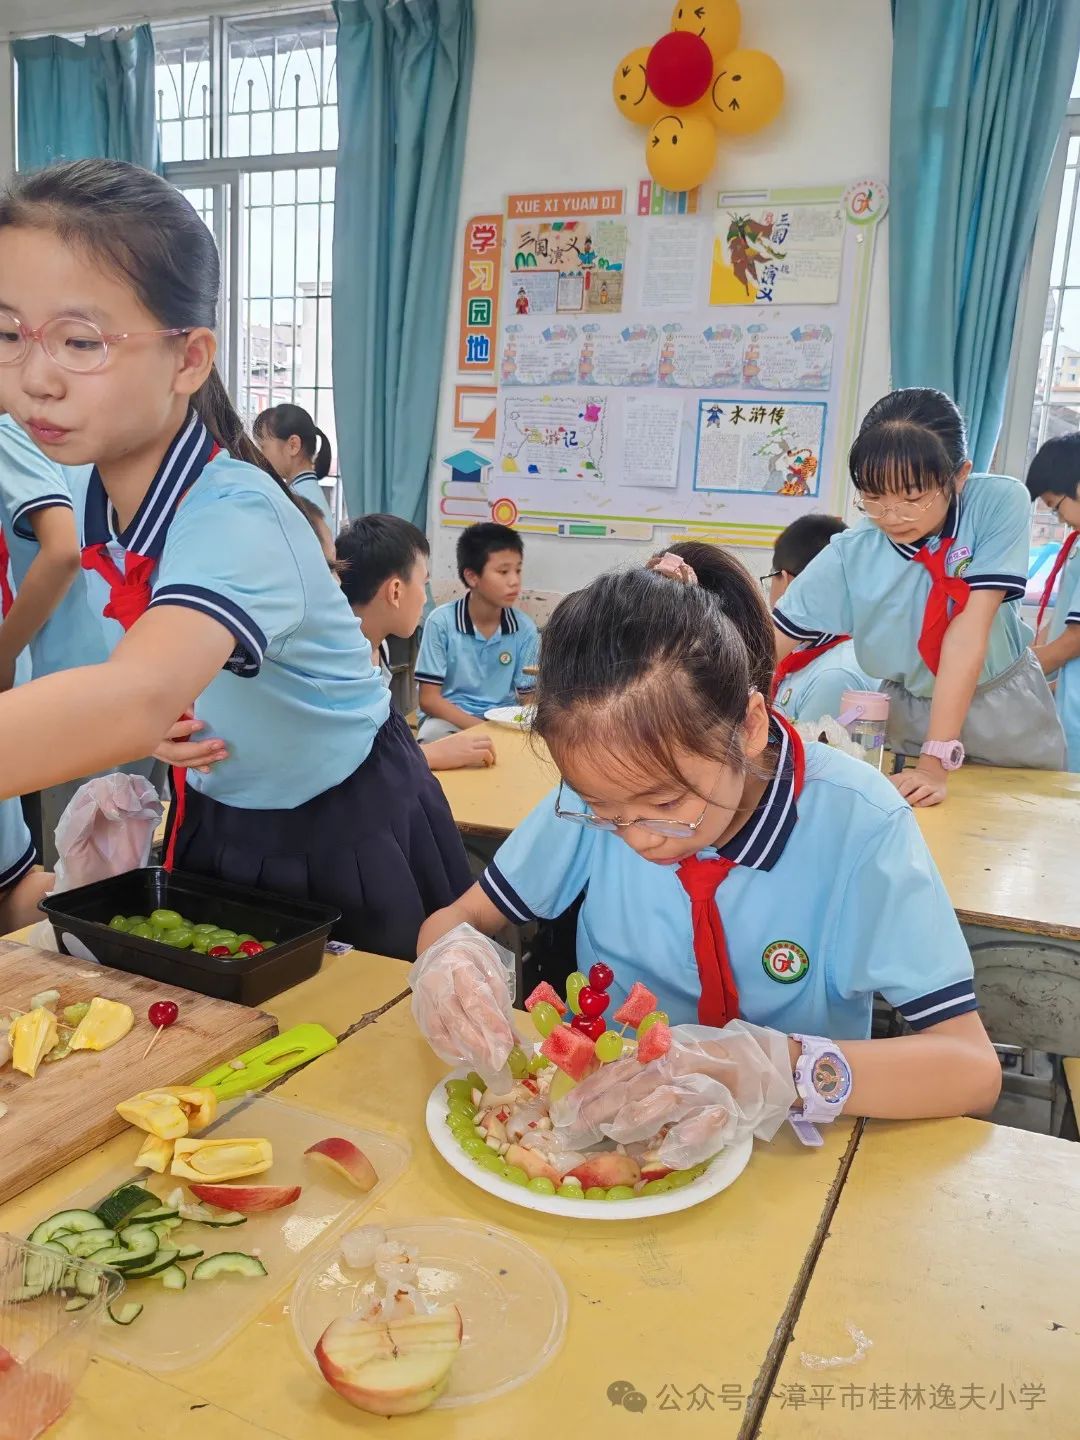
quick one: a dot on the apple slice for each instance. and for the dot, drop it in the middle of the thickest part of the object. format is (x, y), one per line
(607, 1168)
(533, 1163)
(7, 1360)
(246, 1199)
(348, 1159)
(395, 1368)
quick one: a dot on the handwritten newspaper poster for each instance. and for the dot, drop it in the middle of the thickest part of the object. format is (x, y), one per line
(553, 437)
(766, 449)
(778, 255)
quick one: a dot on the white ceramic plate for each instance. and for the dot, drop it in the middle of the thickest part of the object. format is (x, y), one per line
(510, 716)
(724, 1171)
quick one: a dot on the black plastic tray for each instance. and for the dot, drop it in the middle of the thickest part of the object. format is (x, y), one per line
(299, 928)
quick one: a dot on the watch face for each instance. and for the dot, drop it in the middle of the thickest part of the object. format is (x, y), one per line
(830, 1077)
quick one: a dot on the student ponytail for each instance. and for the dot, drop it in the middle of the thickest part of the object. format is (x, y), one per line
(741, 601)
(217, 412)
(285, 420)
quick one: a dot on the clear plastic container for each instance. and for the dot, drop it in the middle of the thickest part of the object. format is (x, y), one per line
(44, 1345)
(865, 716)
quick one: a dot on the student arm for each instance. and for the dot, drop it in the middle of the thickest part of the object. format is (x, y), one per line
(459, 752)
(473, 908)
(1056, 653)
(433, 703)
(46, 583)
(98, 716)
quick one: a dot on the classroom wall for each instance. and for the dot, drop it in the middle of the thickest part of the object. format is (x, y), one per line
(542, 118)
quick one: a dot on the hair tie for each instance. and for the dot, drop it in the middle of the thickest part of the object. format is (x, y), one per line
(674, 567)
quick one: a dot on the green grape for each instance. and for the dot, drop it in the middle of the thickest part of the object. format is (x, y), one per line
(596, 1192)
(656, 1187)
(464, 1108)
(537, 1063)
(574, 985)
(653, 1018)
(226, 938)
(621, 1192)
(118, 923)
(569, 1192)
(515, 1175)
(475, 1081)
(200, 944)
(166, 919)
(541, 1186)
(241, 938)
(518, 1062)
(137, 920)
(205, 929)
(268, 944)
(609, 1046)
(459, 1090)
(680, 1179)
(180, 937)
(545, 1017)
(460, 1128)
(143, 931)
(490, 1161)
(474, 1147)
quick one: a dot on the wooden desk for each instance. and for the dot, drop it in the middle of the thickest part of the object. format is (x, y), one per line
(695, 1299)
(493, 802)
(953, 1248)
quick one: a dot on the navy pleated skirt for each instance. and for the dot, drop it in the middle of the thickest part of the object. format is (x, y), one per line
(381, 847)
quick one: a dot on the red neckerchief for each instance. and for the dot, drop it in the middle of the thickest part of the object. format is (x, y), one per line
(701, 879)
(7, 595)
(943, 589)
(799, 659)
(1062, 556)
(129, 599)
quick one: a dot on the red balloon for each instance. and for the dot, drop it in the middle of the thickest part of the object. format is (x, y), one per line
(679, 68)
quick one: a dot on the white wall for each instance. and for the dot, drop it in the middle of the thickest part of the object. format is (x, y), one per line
(542, 118)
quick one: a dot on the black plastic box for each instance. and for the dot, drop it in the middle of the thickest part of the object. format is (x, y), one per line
(299, 928)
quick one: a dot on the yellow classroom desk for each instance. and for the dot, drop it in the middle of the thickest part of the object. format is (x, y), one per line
(692, 1302)
(954, 1249)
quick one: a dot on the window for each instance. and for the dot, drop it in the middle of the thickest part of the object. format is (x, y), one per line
(247, 116)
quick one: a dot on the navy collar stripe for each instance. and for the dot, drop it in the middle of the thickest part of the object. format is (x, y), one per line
(463, 621)
(761, 841)
(949, 528)
(304, 475)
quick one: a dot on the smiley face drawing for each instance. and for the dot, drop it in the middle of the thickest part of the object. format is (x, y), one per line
(746, 93)
(681, 150)
(717, 22)
(630, 90)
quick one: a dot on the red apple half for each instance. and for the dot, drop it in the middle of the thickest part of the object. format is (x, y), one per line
(246, 1199)
(394, 1368)
(348, 1159)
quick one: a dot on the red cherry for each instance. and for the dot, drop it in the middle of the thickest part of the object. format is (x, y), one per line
(250, 947)
(163, 1013)
(592, 1002)
(601, 976)
(592, 1028)
(218, 950)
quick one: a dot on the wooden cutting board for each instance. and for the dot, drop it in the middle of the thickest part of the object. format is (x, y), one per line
(70, 1105)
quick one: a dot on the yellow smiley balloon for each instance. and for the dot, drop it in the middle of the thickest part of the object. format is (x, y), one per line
(716, 21)
(631, 93)
(680, 150)
(746, 93)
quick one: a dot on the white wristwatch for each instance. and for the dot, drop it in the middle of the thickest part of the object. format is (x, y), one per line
(950, 752)
(822, 1082)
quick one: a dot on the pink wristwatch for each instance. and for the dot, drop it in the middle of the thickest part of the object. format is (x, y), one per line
(822, 1082)
(949, 752)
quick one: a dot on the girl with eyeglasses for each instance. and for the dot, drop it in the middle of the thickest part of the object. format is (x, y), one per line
(729, 867)
(929, 589)
(230, 611)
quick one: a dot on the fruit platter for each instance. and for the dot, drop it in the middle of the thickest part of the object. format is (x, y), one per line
(502, 1140)
(513, 717)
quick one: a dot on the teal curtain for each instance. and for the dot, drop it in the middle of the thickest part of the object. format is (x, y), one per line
(97, 98)
(979, 90)
(404, 72)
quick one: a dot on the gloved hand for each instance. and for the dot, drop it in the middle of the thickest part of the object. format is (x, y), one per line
(709, 1090)
(463, 1003)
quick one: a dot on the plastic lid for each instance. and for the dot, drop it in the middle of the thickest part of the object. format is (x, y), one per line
(867, 704)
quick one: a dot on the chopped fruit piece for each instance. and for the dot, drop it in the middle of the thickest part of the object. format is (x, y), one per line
(620, 1192)
(653, 1018)
(571, 1051)
(229, 1262)
(545, 1017)
(592, 1003)
(32, 1037)
(592, 1028)
(348, 1159)
(575, 983)
(560, 1085)
(106, 1022)
(609, 1047)
(358, 1246)
(73, 1014)
(605, 1168)
(395, 1367)
(548, 995)
(533, 1163)
(221, 1159)
(44, 1000)
(156, 1154)
(536, 1064)
(198, 1102)
(157, 1112)
(246, 1199)
(163, 1013)
(601, 976)
(656, 1042)
(518, 1062)
(636, 1006)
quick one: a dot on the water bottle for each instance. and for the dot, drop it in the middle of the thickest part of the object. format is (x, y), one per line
(864, 714)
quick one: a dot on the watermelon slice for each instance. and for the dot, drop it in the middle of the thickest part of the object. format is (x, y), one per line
(639, 1003)
(572, 1052)
(547, 992)
(655, 1042)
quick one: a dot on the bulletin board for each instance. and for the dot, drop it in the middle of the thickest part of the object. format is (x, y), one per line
(674, 363)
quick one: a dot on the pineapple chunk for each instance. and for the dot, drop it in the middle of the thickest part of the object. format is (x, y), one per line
(155, 1154)
(198, 1103)
(157, 1112)
(32, 1036)
(106, 1022)
(221, 1159)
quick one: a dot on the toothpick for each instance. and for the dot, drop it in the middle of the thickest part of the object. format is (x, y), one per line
(153, 1041)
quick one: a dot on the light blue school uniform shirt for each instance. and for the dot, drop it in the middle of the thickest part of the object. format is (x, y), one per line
(308, 486)
(477, 673)
(29, 483)
(17, 853)
(814, 691)
(834, 897)
(865, 585)
(1067, 690)
(299, 701)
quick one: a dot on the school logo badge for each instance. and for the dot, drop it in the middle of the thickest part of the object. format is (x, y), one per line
(785, 962)
(505, 658)
(786, 696)
(958, 560)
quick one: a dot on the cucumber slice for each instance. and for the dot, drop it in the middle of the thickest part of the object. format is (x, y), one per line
(229, 1262)
(43, 1272)
(136, 1247)
(84, 1245)
(116, 1208)
(154, 1266)
(153, 1217)
(65, 1222)
(87, 1282)
(124, 1314)
(77, 1302)
(174, 1278)
(216, 1219)
(191, 1252)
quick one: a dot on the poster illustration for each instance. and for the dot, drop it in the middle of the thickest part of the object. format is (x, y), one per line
(778, 255)
(553, 437)
(618, 356)
(760, 449)
(777, 358)
(701, 359)
(549, 357)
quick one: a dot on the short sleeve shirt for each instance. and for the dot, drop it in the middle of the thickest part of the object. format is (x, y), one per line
(477, 673)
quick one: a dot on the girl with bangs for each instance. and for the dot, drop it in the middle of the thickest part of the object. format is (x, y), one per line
(929, 589)
(735, 871)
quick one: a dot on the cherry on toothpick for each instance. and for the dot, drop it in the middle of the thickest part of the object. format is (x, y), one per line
(601, 976)
(592, 1002)
(161, 1015)
(593, 1028)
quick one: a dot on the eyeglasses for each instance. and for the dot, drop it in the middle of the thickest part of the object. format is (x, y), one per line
(672, 828)
(76, 345)
(766, 580)
(909, 510)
